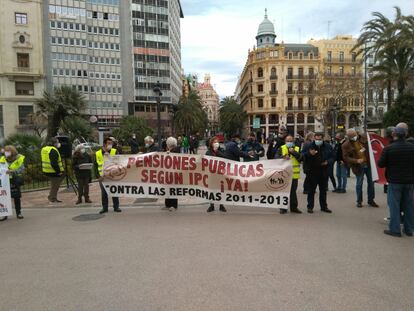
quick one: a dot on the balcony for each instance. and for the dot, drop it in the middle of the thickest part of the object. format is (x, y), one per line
(342, 61)
(27, 72)
(300, 108)
(300, 77)
(273, 77)
(290, 92)
(274, 92)
(22, 69)
(343, 76)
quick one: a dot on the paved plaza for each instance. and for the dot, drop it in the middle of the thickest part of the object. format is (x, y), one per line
(248, 259)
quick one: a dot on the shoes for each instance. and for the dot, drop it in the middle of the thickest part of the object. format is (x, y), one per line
(373, 204)
(326, 210)
(305, 192)
(19, 216)
(103, 211)
(117, 210)
(341, 191)
(210, 208)
(55, 201)
(336, 190)
(88, 201)
(408, 233)
(395, 234)
(78, 202)
(4, 218)
(310, 211)
(222, 209)
(283, 211)
(296, 211)
(359, 204)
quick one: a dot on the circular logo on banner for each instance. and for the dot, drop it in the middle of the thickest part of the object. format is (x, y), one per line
(277, 180)
(115, 172)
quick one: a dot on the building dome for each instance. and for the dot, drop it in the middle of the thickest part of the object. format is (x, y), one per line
(266, 27)
(266, 34)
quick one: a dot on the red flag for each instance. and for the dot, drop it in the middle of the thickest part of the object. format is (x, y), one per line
(378, 144)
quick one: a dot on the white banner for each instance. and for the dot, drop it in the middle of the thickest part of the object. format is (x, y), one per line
(216, 180)
(5, 197)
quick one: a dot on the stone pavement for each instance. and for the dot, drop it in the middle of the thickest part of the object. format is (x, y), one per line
(247, 259)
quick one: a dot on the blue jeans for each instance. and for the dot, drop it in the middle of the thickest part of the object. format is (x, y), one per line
(400, 196)
(366, 170)
(342, 175)
(104, 198)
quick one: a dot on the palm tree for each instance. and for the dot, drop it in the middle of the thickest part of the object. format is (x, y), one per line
(392, 44)
(63, 102)
(232, 116)
(190, 116)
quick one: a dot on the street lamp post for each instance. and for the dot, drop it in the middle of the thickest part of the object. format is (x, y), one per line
(365, 89)
(334, 117)
(158, 94)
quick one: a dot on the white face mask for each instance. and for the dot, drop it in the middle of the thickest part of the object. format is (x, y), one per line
(109, 147)
(7, 154)
(58, 145)
(147, 145)
(355, 138)
(82, 150)
(216, 146)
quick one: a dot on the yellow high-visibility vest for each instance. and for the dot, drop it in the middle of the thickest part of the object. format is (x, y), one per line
(16, 164)
(295, 162)
(46, 165)
(100, 159)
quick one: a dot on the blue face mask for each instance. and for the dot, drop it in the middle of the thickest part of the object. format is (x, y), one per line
(290, 144)
(318, 142)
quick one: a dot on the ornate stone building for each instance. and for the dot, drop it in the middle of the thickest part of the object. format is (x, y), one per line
(210, 101)
(280, 83)
(21, 63)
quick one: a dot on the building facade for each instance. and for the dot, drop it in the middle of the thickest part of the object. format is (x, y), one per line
(83, 50)
(156, 46)
(211, 102)
(281, 84)
(21, 63)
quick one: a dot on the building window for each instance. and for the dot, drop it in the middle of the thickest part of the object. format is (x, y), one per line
(273, 87)
(23, 60)
(273, 72)
(20, 18)
(341, 70)
(341, 56)
(25, 112)
(24, 88)
(273, 102)
(260, 103)
(290, 104)
(353, 70)
(329, 70)
(329, 55)
(300, 103)
(290, 72)
(260, 72)
(260, 88)
(311, 72)
(300, 72)
(290, 88)
(381, 95)
(353, 57)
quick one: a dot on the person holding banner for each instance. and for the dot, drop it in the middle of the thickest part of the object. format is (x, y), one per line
(107, 150)
(292, 153)
(397, 159)
(15, 163)
(214, 150)
(253, 148)
(355, 153)
(172, 147)
(316, 156)
(52, 167)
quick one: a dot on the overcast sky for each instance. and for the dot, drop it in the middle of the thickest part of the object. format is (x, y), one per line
(216, 34)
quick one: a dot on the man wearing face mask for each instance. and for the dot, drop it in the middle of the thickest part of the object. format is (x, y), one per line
(133, 143)
(107, 150)
(82, 166)
(356, 155)
(291, 153)
(253, 148)
(150, 145)
(276, 143)
(233, 151)
(316, 157)
(52, 167)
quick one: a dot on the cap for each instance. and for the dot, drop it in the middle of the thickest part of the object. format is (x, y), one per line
(400, 131)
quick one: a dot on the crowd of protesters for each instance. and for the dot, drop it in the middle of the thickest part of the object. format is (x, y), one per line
(317, 155)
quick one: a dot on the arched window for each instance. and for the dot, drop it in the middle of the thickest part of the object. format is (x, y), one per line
(301, 118)
(311, 119)
(290, 118)
(260, 72)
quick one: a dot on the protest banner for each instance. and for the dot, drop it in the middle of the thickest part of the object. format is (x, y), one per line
(5, 198)
(377, 144)
(216, 180)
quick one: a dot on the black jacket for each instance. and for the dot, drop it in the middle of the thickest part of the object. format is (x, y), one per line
(233, 151)
(313, 163)
(152, 148)
(274, 146)
(81, 158)
(398, 160)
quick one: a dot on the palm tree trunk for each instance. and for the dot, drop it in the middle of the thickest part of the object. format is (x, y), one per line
(389, 99)
(53, 125)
